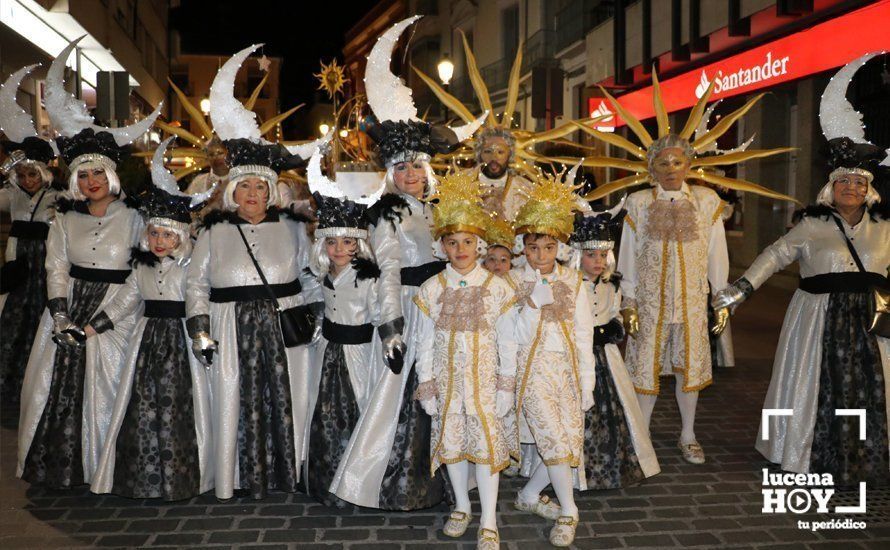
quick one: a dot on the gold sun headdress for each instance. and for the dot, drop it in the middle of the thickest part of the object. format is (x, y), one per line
(499, 232)
(458, 206)
(702, 167)
(551, 204)
(525, 156)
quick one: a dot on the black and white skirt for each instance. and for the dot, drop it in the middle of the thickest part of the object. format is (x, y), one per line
(156, 452)
(333, 421)
(266, 449)
(20, 318)
(850, 377)
(610, 460)
(55, 455)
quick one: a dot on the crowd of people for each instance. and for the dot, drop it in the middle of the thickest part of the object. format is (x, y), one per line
(397, 349)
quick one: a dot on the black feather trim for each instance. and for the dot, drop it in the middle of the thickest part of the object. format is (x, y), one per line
(288, 213)
(365, 269)
(388, 208)
(132, 202)
(615, 279)
(875, 212)
(142, 257)
(65, 204)
(217, 216)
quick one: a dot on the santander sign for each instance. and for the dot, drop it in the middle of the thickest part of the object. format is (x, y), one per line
(819, 48)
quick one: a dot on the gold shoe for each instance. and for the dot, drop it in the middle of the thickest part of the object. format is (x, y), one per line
(563, 533)
(488, 539)
(544, 507)
(457, 524)
(692, 452)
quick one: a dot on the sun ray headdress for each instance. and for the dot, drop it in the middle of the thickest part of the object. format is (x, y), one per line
(551, 205)
(705, 155)
(525, 140)
(457, 206)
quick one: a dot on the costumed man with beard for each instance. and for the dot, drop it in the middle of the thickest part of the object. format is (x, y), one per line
(672, 247)
(504, 191)
(28, 198)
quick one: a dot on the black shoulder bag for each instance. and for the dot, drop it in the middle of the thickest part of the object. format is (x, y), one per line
(297, 323)
(880, 323)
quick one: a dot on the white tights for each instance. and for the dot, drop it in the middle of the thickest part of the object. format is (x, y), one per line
(459, 473)
(560, 476)
(686, 401)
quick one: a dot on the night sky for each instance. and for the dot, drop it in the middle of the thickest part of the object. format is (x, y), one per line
(300, 32)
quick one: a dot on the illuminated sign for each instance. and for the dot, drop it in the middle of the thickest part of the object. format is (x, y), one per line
(820, 48)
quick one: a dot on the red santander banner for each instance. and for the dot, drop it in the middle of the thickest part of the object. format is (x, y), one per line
(819, 48)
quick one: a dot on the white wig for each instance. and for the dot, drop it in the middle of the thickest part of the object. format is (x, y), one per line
(182, 251)
(826, 195)
(390, 184)
(114, 182)
(229, 203)
(320, 262)
(439, 250)
(45, 174)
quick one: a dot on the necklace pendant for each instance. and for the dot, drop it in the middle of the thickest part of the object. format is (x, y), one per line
(463, 284)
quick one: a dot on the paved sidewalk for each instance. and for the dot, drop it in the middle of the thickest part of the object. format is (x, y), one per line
(714, 505)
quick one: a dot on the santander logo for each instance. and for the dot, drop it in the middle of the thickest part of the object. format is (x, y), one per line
(745, 76)
(603, 110)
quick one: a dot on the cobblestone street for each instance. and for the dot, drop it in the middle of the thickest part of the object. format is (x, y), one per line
(717, 504)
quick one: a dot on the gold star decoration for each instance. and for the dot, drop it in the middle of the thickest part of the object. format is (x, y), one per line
(264, 63)
(331, 78)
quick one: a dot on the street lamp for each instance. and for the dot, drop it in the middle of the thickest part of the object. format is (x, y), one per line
(323, 129)
(205, 106)
(446, 70)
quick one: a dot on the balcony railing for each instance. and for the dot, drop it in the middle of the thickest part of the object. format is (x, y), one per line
(578, 17)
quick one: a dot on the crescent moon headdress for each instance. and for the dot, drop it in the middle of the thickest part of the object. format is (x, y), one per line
(80, 139)
(248, 153)
(166, 205)
(705, 156)
(849, 151)
(598, 231)
(400, 135)
(338, 215)
(22, 143)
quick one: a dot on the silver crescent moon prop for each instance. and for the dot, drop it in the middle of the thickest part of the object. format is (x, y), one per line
(573, 173)
(319, 183)
(615, 210)
(703, 128)
(164, 180)
(69, 115)
(14, 121)
(837, 116)
(388, 97)
(305, 150)
(229, 117)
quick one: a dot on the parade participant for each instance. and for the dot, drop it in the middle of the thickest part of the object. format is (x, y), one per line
(617, 449)
(348, 358)
(252, 307)
(555, 364)
(28, 199)
(828, 358)
(159, 441)
(499, 253)
(388, 457)
(672, 247)
(74, 366)
(466, 357)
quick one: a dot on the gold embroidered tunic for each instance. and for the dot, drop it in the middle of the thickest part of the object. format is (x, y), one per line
(672, 246)
(465, 345)
(554, 364)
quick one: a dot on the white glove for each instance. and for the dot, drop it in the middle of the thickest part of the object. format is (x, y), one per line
(430, 407)
(542, 293)
(586, 400)
(66, 333)
(503, 403)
